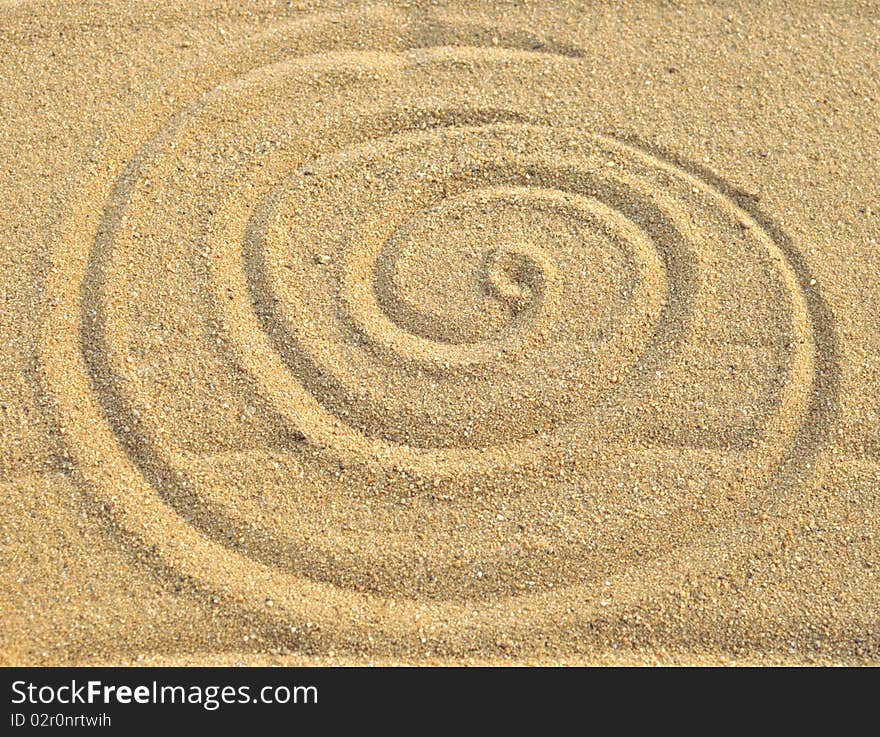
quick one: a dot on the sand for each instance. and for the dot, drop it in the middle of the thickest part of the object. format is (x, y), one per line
(440, 333)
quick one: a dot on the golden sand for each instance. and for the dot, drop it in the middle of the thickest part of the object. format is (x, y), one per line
(440, 332)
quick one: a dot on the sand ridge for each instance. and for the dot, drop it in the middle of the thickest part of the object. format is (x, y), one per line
(379, 333)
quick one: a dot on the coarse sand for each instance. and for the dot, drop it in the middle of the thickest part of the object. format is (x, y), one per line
(428, 332)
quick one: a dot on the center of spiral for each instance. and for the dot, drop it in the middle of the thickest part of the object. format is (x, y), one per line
(517, 275)
(468, 269)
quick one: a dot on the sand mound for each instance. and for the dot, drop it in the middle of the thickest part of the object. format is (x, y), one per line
(394, 332)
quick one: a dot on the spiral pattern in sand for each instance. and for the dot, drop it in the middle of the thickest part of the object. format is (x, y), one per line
(416, 320)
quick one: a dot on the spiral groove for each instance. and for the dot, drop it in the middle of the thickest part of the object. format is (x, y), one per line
(405, 305)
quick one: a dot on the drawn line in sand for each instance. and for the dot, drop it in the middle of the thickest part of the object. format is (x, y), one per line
(488, 312)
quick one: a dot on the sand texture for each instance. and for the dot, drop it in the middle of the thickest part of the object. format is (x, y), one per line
(436, 332)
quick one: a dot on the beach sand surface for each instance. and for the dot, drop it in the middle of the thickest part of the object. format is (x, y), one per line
(434, 333)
